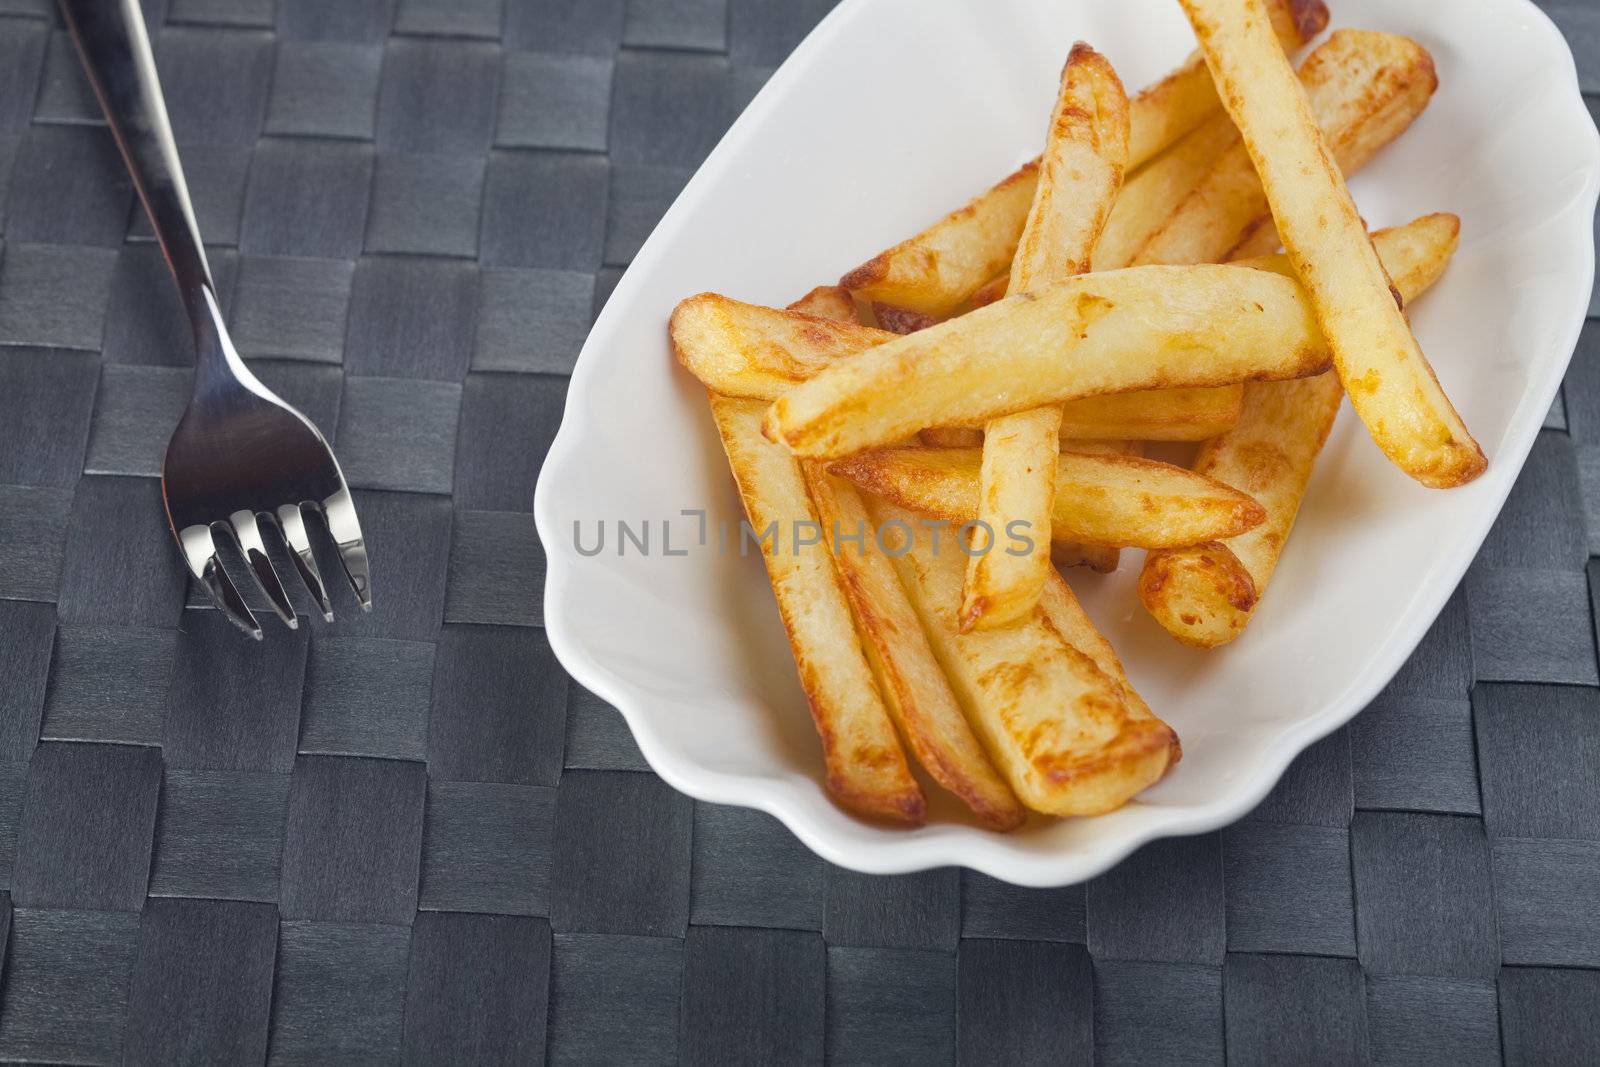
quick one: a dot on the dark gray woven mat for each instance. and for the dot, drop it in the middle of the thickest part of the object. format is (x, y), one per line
(410, 836)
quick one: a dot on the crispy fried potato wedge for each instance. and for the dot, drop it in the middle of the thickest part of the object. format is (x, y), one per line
(913, 684)
(1102, 559)
(827, 302)
(1115, 500)
(938, 270)
(1149, 198)
(1140, 328)
(1080, 172)
(1390, 383)
(1204, 595)
(935, 271)
(1055, 724)
(1364, 90)
(1060, 605)
(866, 768)
(1086, 151)
(1187, 97)
(1016, 486)
(740, 349)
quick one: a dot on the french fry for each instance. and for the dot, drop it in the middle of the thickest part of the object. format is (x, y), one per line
(938, 270)
(1141, 328)
(866, 767)
(1148, 198)
(1016, 486)
(1114, 500)
(1390, 383)
(1187, 97)
(1066, 615)
(1204, 595)
(1364, 90)
(740, 349)
(827, 302)
(914, 687)
(1086, 151)
(1102, 559)
(1079, 175)
(1055, 724)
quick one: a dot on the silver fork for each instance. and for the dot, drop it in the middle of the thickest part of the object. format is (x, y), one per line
(241, 460)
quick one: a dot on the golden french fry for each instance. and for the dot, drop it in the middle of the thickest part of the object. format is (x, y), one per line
(935, 271)
(1149, 198)
(1140, 328)
(740, 349)
(913, 684)
(827, 302)
(1102, 559)
(1079, 175)
(1086, 151)
(1016, 488)
(1204, 595)
(1114, 500)
(1380, 364)
(1060, 606)
(939, 269)
(1187, 97)
(866, 768)
(1364, 90)
(1056, 725)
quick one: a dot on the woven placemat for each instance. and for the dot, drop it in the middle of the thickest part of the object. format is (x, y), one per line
(410, 836)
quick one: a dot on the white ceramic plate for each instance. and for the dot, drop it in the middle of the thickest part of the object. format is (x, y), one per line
(895, 111)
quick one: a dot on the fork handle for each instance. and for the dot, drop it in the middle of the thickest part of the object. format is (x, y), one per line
(111, 39)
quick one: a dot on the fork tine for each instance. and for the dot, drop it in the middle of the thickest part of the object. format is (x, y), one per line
(292, 525)
(247, 532)
(339, 510)
(200, 553)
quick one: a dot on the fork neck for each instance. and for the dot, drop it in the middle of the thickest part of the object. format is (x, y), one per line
(111, 39)
(216, 361)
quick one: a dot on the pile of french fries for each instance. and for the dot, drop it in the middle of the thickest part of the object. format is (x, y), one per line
(1002, 371)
